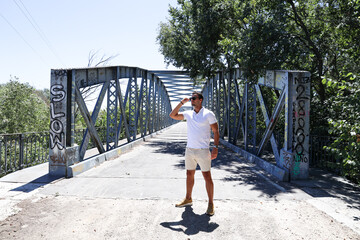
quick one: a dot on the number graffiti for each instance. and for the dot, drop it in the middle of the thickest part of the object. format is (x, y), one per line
(299, 117)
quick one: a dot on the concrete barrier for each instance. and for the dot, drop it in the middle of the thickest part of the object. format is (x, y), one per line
(272, 169)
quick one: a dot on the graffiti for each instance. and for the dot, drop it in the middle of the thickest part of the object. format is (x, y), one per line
(300, 115)
(301, 158)
(59, 73)
(296, 169)
(58, 158)
(57, 135)
(54, 115)
(57, 92)
(286, 159)
(302, 80)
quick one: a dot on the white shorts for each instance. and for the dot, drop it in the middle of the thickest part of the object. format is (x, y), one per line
(201, 156)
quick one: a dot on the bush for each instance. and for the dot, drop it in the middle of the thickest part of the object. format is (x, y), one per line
(22, 109)
(345, 124)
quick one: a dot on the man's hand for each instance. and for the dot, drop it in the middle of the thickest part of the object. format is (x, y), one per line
(214, 153)
(215, 129)
(185, 100)
(175, 112)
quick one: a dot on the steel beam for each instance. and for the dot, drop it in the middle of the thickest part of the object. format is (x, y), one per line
(272, 121)
(122, 105)
(94, 115)
(267, 122)
(112, 107)
(87, 118)
(132, 105)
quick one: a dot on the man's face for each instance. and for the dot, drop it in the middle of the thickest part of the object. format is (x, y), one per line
(195, 101)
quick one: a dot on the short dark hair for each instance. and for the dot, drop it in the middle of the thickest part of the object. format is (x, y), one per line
(199, 94)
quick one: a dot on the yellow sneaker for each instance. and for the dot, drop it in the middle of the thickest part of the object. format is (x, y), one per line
(210, 211)
(184, 203)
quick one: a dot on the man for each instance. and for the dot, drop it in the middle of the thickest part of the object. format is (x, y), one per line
(199, 122)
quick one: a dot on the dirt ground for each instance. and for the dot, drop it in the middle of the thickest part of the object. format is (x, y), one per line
(59, 217)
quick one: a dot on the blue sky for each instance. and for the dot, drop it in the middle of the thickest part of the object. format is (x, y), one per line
(66, 31)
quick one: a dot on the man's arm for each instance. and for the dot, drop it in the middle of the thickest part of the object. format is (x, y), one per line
(175, 112)
(215, 129)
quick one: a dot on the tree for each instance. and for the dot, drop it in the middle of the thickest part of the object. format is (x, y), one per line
(191, 37)
(344, 123)
(314, 35)
(21, 108)
(319, 36)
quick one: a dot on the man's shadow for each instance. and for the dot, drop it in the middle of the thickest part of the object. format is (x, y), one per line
(191, 223)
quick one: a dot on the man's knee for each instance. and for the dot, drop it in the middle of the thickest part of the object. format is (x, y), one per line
(207, 176)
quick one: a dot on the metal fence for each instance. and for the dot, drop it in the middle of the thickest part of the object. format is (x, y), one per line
(18, 151)
(322, 158)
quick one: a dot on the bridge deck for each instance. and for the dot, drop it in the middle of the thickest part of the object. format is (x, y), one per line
(133, 197)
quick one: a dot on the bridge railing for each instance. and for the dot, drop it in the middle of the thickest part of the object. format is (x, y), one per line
(140, 110)
(21, 150)
(18, 151)
(251, 121)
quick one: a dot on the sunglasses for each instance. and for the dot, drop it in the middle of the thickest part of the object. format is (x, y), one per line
(193, 98)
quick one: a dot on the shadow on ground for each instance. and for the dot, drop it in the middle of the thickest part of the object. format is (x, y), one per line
(239, 172)
(173, 148)
(191, 223)
(37, 183)
(323, 184)
(234, 168)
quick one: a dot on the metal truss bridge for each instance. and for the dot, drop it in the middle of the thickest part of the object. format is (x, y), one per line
(267, 121)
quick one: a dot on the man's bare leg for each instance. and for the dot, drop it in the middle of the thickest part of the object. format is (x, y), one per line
(189, 183)
(209, 186)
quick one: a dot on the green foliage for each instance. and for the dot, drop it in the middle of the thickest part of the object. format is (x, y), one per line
(345, 123)
(314, 35)
(22, 108)
(191, 37)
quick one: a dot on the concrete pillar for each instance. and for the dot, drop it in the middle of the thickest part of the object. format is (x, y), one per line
(301, 124)
(294, 157)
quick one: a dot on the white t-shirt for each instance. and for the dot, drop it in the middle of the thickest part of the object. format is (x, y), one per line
(198, 127)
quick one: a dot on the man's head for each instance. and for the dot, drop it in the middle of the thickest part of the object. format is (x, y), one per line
(196, 99)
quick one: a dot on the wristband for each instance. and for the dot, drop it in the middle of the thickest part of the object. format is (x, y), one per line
(216, 146)
(181, 102)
